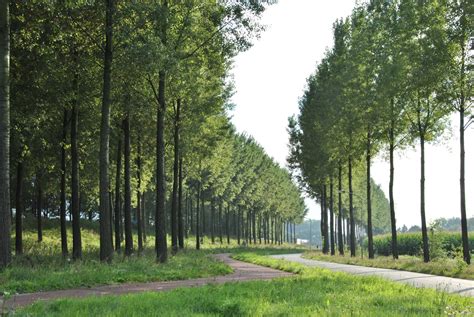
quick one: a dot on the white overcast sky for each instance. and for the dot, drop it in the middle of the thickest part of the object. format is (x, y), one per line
(271, 76)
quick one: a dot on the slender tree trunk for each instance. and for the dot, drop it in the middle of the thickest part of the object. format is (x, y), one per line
(118, 213)
(76, 216)
(160, 217)
(424, 230)
(325, 226)
(227, 215)
(39, 208)
(19, 208)
(351, 211)
(127, 189)
(220, 221)
(390, 185)
(213, 216)
(180, 208)
(369, 200)
(5, 221)
(198, 197)
(62, 211)
(139, 196)
(331, 214)
(464, 228)
(254, 233)
(238, 225)
(339, 216)
(106, 247)
(174, 199)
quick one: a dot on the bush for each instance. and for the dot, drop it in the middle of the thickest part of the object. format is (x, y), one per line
(411, 243)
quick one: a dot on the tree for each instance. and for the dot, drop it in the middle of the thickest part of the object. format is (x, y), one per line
(5, 248)
(106, 247)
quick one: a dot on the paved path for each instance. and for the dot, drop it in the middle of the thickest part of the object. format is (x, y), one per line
(448, 284)
(242, 272)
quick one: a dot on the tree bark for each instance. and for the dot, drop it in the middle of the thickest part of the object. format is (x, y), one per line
(160, 218)
(424, 230)
(369, 200)
(325, 222)
(62, 211)
(462, 109)
(5, 221)
(198, 197)
(106, 247)
(127, 189)
(174, 199)
(339, 216)
(76, 216)
(139, 196)
(118, 213)
(39, 207)
(19, 208)
(393, 221)
(351, 211)
(331, 215)
(180, 206)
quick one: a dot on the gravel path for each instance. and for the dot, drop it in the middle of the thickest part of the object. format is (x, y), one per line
(242, 272)
(448, 284)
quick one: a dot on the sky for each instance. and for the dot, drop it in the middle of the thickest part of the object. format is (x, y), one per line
(270, 78)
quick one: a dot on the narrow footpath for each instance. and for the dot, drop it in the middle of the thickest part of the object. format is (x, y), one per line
(448, 284)
(242, 272)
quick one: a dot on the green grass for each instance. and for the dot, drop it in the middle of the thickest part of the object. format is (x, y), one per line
(42, 266)
(443, 266)
(313, 292)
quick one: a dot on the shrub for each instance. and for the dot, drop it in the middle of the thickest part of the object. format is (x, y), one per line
(411, 243)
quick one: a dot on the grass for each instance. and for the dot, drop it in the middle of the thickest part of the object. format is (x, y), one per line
(443, 266)
(42, 266)
(313, 292)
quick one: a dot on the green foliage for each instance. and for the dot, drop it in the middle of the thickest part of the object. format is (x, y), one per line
(410, 243)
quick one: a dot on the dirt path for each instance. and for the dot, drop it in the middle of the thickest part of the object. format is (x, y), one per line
(448, 284)
(242, 272)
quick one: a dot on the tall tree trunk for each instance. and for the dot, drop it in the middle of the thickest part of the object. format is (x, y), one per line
(213, 219)
(106, 247)
(160, 223)
(393, 221)
(369, 200)
(5, 221)
(351, 211)
(118, 204)
(339, 216)
(424, 230)
(174, 199)
(139, 196)
(180, 206)
(19, 208)
(62, 211)
(198, 197)
(227, 215)
(238, 225)
(127, 189)
(39, 207)
(76, 216)
(220, 221)
(325, 222)
(464, 232)
(331, 214)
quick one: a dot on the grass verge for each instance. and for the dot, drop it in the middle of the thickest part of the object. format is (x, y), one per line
(444, 267)
(314, 292)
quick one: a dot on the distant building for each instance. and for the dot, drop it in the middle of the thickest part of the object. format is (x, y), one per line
(302, 241)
